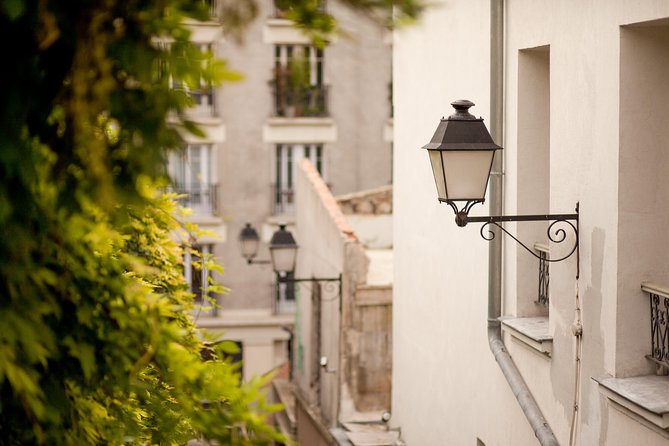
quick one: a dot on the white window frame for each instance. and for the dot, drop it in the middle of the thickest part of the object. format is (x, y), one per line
(287, 157)
(192, 172)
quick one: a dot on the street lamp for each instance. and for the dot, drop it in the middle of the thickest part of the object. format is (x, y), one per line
(283, 255)
(461, 154)
(248, 243)
(283, 251)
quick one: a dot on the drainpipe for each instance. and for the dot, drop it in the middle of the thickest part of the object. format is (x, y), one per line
(518, 386)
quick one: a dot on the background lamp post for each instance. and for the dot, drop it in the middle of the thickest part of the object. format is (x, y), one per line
(283, 255)
(248, 243)
(461, 154)
(283, 252)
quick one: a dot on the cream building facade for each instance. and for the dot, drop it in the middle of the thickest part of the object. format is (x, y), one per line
(577, 93)
(343, 331)
(331, 106)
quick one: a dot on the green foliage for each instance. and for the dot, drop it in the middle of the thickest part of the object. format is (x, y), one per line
(96, 342)
(97, 345)
(312, 16)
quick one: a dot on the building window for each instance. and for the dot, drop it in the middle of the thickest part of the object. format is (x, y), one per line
(287, 158)
(236, 357)
(203, 96)
(643, 198)
(197, 274)
(212, 6)
(191, 173)
(298, 81)
(285, 296)
(533, 285)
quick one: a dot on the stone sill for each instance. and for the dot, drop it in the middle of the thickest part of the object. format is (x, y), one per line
(246, 318)
(307, 121)
(531, 331)
(279, 21)
(278, 31)
(299, 130)
(644, 396)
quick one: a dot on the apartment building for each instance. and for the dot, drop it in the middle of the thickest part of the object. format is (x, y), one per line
(330, 105)
(577, 95)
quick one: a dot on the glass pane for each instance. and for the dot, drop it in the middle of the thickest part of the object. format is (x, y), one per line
(319, 159)
(195, 165)
(467, 173)
(283, 259)
(249, 248)
(437, 171)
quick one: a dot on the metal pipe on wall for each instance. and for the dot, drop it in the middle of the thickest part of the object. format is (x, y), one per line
(518, 386)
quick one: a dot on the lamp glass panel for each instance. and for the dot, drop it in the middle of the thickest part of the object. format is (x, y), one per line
(467, 173)
(283, 259)
(438, 172)
(249, 248)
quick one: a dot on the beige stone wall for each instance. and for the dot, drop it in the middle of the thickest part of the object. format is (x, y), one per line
(354, 334)
(357, 71)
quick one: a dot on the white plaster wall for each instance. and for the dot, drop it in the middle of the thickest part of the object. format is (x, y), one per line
(321, 254)
(443, 369)
(644, 187)
(444, 378)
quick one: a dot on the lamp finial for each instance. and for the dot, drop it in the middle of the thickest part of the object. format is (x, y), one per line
(461, 107)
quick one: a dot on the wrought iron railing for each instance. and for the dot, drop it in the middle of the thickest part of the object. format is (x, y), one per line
(204, 100)
(284, 298)
(659, 322)
(308, 101)
(200, 197)
(213, 8)
(543, 297)
(204, 104)
(282, 200)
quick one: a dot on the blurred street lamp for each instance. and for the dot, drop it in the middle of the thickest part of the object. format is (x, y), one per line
(283, 254)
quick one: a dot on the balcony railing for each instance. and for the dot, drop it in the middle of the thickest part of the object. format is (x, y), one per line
(200, 197)
(204, 105)
(309, 101)
(659, 323)
(284, 298)
(204, 100)
(213, 8)
(282, 200)
(544, 274)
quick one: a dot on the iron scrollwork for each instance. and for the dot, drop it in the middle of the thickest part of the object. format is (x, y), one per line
(556, 231)
(544, 278)
(329, 285)
(659, 314)
(557, 235)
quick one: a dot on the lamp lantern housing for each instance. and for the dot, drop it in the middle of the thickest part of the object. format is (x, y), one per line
(248, 242)
(461, 153)
(283, 251)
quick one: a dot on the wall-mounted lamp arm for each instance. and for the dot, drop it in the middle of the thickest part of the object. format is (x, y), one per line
(327, 284)
(313, 279)
(258, 262)
(555, 234)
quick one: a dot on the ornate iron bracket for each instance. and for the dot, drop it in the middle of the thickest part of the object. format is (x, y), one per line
(555, 234)
(258, 262)
(327, 284)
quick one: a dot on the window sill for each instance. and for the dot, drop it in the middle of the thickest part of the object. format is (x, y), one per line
(278, 31)
(644, 396)
(531, 331)
(299, 130)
